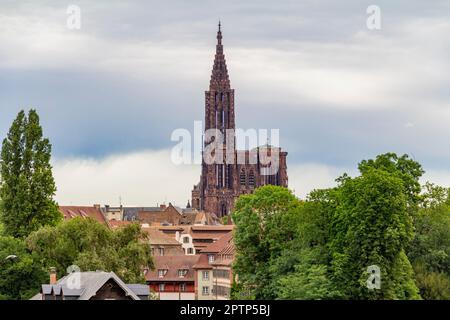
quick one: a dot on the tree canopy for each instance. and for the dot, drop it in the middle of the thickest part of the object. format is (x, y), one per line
(328, 246)
(91, 246)
(27, 186)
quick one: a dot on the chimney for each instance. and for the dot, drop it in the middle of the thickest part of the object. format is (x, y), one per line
(162, 206)
(97, 206)
(52, 275)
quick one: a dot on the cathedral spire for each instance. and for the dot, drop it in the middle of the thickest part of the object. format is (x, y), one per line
(219, 76)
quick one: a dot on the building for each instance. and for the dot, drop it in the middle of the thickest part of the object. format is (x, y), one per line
(113, 213)
(162, 244)
(173, 277)
(214, 275)
(94, 212)
(92, 285)
(239, 172)
(203, 236)
(163, 215)
(166, 215)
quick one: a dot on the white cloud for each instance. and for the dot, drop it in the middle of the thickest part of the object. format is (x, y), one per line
(304, 178)
(143, 178)
(439, 177)
(148, 178)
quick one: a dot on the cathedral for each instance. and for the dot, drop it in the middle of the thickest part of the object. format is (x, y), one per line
(239, 171)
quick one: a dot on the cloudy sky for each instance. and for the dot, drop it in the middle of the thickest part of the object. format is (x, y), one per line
(111, 93)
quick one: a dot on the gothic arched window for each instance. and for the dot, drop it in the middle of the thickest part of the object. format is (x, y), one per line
(223, 210)
(242, 178)
(229, 176)
(251, 179)
(220, 173)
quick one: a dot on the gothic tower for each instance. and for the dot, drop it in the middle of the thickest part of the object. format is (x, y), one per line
(223, 181)
(219, 114)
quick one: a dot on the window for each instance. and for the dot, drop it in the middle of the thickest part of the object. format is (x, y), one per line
(182, 273)
(223, 210)
(190, 251)
(161, 251)
(223, 274)
(182, 287)
(205, 291)
(186, 240)
(251, 179)
(229, 176)
(210, 258)
(242, 178)
(221, 291)
(153, 251)
(161, 273)
(219, 173)
(205, 275)
(161, 287)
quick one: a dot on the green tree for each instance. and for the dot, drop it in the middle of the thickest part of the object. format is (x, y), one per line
(430, 249)
(309, 281)
(91, 246)
(371, 226)
(20, 278)
(27, 186)
(265, 225)
(408, 170)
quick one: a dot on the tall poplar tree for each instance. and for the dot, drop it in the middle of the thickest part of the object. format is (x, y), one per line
(27, 186)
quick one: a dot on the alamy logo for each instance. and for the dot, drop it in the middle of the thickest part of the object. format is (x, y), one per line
(218, 146)
(73, 277)
(374, 280)
(74, 18)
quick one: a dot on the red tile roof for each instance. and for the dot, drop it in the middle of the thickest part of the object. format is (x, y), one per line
(158, 237)
(172, 264)
(220, 244)
(95, 213)
(114, 224)
(218, 228)
(203, 262)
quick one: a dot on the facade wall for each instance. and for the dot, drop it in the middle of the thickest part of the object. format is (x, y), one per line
(223, 284)
(201, 283)
(172, 290)
(176, 296)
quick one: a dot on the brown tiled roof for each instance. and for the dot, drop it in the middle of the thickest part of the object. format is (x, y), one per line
(114, 224)
(172, 264)
(203, 262)
(95, 213)
(157, 237)
(156, 217)
(173, 228)
(222, 228)
(220, 244)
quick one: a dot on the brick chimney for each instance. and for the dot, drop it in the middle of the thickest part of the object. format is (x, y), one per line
(52, 275)
(162, 206)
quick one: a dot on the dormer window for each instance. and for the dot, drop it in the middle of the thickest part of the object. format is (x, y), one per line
(182, 273)
(162, 273)
(210, 258)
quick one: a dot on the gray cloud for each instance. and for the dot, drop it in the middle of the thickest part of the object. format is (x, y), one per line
(137, 70)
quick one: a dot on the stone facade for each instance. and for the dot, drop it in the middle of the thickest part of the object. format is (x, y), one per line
(239, 172)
